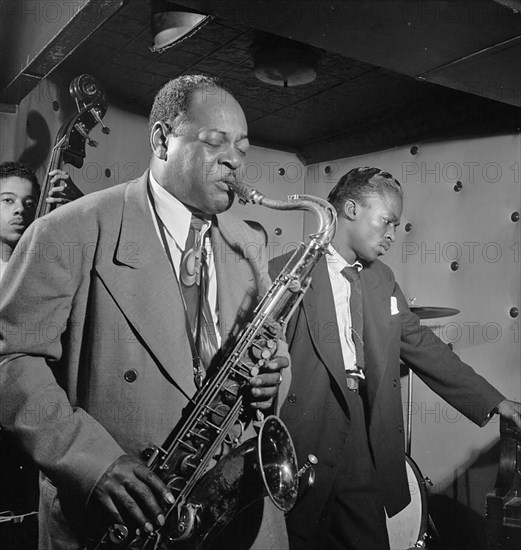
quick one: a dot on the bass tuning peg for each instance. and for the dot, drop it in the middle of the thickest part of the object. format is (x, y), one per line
(105, 129)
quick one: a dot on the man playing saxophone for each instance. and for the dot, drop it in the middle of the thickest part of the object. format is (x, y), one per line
(101, 349)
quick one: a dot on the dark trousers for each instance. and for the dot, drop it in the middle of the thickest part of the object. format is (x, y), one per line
(354, 516)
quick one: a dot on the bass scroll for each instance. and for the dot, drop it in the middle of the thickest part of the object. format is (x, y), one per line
(208, 498)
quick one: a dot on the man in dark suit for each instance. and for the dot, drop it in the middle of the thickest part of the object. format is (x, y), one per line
(97, 361)
(344, 402)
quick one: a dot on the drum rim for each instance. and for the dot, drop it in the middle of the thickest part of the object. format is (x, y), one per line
(421, 534)
(422, 486)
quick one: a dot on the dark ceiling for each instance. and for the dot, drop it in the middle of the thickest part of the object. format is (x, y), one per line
(353, 106)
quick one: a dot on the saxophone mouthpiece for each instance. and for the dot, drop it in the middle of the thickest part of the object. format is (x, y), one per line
(245, 192)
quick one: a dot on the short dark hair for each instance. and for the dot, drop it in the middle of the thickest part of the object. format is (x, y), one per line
(361, 183)
(172, 102)
(21, 170)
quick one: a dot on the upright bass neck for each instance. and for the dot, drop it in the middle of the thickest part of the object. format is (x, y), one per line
(69, 145)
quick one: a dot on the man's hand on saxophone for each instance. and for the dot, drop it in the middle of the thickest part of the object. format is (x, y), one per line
(266, 385)
(131, 494)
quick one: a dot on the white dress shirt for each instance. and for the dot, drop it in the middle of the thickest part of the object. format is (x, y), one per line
(176, 221)
(341, 294)
(3, 266)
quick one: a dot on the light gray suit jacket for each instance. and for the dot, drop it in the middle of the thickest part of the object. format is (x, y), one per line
(95, 357)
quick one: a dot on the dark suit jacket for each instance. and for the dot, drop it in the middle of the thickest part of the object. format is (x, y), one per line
(316, 411)
(95, 357)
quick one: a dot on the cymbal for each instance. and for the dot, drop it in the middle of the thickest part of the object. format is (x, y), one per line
(432, 312)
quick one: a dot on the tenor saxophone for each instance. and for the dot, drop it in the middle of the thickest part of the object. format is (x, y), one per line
(209, 495)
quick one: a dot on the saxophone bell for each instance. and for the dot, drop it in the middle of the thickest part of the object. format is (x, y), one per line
(278, 463)
(262, 466)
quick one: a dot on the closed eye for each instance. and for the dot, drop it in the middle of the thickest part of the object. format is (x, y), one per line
(213, 142)
(391, 222)
(243, 145)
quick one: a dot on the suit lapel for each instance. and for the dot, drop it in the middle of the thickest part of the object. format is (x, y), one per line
(377, 317)
(141, 281)
(240, 272)
(319, 308)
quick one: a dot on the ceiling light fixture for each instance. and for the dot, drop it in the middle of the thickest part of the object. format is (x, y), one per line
(171, 24)
(283, 62)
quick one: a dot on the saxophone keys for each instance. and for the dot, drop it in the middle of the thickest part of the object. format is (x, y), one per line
(229, 392)
(270, 344)
(263, 349)
(308, 467)
(175, 484)
(294, 286)
(187, 522)
(311, 461)
(218, 412)
(188, 465)
(274, 328)
(234, 437)
(151, 455)
(118, 533)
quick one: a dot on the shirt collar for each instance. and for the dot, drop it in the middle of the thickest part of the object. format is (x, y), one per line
(336, 263)
(173, 213)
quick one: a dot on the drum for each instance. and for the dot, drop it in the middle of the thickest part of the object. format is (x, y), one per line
(408, 528)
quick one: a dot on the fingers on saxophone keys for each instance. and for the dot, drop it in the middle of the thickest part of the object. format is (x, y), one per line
(159, 489)
(141, 507)
(128, 512)
(262, 405)
(267, 380)
(109, 506)
(264, 388)
(279, 362)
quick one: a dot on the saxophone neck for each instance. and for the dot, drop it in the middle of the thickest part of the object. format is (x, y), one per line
(324, 212)
(246, 193)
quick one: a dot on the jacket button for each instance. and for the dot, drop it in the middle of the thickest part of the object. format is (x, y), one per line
(400, 429)
(130, 376)
(292, 398)
(394, 383)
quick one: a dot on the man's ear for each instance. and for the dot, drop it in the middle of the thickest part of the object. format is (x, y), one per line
(158, 137)
(350, 209)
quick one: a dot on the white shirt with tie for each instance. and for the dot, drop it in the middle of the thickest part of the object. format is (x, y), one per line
(176, 221)
(341, 295)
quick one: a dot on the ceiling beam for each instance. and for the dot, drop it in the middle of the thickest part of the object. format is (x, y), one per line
(37, 36)
(468, 45)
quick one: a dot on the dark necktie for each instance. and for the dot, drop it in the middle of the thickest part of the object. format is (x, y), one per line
(357, 314)
(194, 284)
